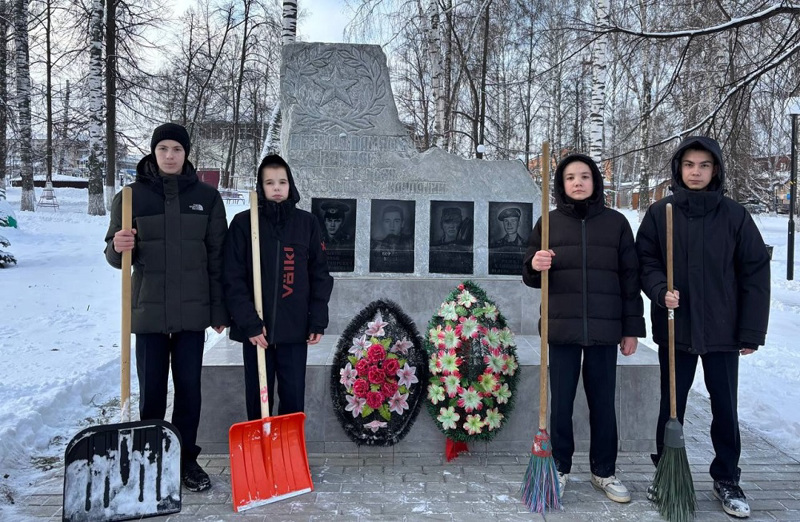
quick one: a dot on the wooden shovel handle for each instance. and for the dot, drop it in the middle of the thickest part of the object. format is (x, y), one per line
(673, 410)
(545, 168)
(125, 361)
(257, 297)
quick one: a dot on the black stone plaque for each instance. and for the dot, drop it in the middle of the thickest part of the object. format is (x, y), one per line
(337, 219)
(451, 243)
(392, 236)
(509, 227)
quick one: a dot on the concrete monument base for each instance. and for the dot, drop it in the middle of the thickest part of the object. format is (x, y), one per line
(223, 404)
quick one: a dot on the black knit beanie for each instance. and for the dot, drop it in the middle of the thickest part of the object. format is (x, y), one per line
(170, 131)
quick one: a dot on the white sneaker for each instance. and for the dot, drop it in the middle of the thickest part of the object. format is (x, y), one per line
(613, 488)
(562, 483)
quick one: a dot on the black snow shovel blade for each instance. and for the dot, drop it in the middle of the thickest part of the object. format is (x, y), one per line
(123, 471)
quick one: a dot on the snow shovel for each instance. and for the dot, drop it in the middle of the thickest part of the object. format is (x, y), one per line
(128, 470)
(268, 456)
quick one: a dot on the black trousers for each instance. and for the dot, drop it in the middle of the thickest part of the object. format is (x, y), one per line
(599, 384)
(721, 371)
(154, 353)
(287, 362)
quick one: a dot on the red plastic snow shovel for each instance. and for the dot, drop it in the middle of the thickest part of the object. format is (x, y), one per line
(128, 470)
(268, 456)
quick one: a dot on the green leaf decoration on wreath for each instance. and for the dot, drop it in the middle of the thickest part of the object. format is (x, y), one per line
(473, 366)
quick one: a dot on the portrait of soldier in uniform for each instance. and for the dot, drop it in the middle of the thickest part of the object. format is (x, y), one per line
(451, 242)
(392, 231)
(334, 213)
(510, 218)
(337, 221)
(509, 226)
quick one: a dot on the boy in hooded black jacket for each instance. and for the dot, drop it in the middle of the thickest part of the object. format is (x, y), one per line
(296, 287)
(595, 305)
(721, 281)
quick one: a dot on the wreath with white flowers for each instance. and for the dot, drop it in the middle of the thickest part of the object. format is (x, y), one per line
(378, 375)
(473, 366)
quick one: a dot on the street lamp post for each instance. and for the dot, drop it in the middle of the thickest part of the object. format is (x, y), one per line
(480, 150)
(793, 109)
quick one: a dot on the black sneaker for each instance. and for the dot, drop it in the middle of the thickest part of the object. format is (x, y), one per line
(651, 494)
(194, 478)
(732, 497)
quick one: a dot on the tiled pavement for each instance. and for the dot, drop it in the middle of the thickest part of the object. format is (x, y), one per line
(375, 485)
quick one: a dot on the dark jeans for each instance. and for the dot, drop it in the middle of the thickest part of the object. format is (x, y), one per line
(287, 362)
(599, 384)
(154, 353)
(721, 371)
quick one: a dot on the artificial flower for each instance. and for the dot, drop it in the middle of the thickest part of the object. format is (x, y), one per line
(448, 311)
(360, 345)
(376, 353)
(474, 424)
(435, 393)
(469, 399)
(401, 346)
(407, 375)
(348, 375)
(466, 299)
(375, 425)
(493, 418)
(374, 400)
(398, 403)
(355, 404)
(390, 366)
(448, 418)
(376, 327)
(502, 394)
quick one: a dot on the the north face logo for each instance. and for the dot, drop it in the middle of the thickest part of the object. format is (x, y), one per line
(196, 206)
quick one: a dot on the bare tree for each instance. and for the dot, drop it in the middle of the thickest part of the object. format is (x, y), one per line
(4, 18)
(95, 80)
(27, 201)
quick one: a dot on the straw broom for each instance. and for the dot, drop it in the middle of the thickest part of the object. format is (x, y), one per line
(674, 489)
(540, 485)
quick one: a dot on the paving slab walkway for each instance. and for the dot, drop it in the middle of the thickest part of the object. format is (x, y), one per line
(388, 486)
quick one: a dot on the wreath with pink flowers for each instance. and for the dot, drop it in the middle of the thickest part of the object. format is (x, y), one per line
(473, 366)
(378, 375)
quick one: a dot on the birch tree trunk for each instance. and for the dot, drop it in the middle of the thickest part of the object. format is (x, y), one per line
(289, 32)
(3, 96)
(435, 57)
(27, 201)
(288, 35)
(599, 69)
(111, 101)
(95, 81)
(64, 134)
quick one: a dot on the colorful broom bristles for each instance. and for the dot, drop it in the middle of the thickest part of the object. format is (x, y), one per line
(540, 485)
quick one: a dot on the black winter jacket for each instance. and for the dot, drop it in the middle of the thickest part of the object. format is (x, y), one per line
(177, 258)
(594, 296)
(721, 265)
(295, 282)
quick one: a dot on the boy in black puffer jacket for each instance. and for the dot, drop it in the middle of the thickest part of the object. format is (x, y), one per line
(720, 298)
(176, 242)
(595, 305)
(295, 286)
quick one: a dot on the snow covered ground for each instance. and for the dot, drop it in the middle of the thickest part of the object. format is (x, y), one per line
(59, 341)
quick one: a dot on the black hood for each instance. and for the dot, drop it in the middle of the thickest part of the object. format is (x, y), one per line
(147, 173)
(591, 205)
(277, 212)
(700, 143)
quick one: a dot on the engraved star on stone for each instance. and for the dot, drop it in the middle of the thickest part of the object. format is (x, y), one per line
(335, 88)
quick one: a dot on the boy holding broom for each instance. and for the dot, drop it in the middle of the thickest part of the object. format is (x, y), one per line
(721, 300)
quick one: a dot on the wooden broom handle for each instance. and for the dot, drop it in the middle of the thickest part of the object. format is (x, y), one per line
(125, 360)
(545, 168)
(255, 245)
(673, 410)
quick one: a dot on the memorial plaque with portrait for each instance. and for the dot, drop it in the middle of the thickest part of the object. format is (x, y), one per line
(451, 242)
(509, 226)
(337, 219)
(391, 247)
